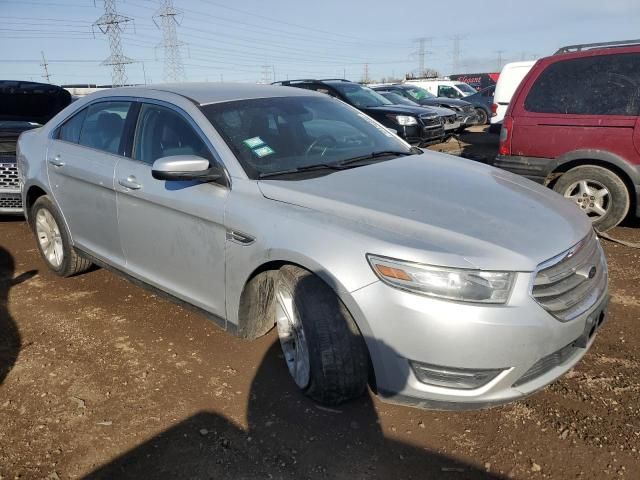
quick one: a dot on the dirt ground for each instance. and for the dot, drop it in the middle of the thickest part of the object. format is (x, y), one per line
(101, 379)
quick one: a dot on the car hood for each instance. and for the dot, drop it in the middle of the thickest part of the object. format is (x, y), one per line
(30, 101)
(442, 210)
(399, 109)
(445, 102)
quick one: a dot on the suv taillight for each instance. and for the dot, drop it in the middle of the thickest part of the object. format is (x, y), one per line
(494, 109)
(505, 136)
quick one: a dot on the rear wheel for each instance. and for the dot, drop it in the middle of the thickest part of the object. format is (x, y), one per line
(483, 118)
(54, 243)
(601, 194)
(323, 349)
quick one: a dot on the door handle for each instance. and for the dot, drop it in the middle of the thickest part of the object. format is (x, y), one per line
(56, 162)
(130, 183)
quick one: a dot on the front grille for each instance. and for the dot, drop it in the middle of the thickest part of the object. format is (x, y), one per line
(430, 121)
(10, 200)
(9, 175)
(571, 283)
(450, 119)
(545, 364)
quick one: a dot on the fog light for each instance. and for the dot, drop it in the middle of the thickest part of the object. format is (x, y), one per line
(447, 377)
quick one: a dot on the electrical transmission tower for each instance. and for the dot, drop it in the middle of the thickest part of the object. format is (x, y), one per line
(499, 59)
(167, 18)
(365, 74)
(456, 54)
(421, 53)
(45, 67)
(266, 74)
(112, 25)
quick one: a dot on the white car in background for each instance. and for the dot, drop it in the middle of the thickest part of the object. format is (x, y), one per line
(509, 80)
(445, 88)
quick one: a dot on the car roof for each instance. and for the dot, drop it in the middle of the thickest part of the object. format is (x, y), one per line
(203, 93)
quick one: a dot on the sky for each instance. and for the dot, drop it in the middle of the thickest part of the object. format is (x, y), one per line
(259, 40)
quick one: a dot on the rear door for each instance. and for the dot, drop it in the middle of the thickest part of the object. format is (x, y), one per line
(172, 232)
(588, 102)
(81, 163)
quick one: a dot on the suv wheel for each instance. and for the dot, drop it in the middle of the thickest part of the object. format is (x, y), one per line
(600, 194)
(323, 349)
(53, 239)
(483, 118)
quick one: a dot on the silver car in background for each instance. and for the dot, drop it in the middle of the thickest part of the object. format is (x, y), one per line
(440, 282)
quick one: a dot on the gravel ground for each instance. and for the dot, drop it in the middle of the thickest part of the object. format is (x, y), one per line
(102, 379)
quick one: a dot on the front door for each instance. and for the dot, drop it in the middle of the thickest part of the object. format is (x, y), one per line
(81, 162)
(172, 232)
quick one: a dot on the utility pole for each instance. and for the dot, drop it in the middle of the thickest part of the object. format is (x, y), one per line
(166, 19)
(456, 54)
(111, 24)
(499, 59)
(45, 66)
(365, 74)
(421, 53)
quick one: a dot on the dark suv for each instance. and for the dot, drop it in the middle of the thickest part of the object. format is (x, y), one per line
(417, 125)
(466, 113)
(573, 125)
(23, 106)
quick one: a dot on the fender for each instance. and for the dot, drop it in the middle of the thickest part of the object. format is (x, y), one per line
(605, 157)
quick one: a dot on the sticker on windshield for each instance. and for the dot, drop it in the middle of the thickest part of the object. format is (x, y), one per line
(253, 142)
(263, 151)
(376, 124)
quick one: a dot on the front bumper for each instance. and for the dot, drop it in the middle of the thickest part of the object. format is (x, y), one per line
(469, 119)
(404, 327)
(422, 136)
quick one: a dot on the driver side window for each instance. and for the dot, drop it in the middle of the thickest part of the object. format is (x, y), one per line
(162, 132)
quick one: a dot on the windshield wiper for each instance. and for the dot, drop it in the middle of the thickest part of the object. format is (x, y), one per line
(374, 155)
(307, 168)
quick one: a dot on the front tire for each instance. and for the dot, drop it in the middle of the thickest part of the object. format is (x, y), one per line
(324, 351)
(599, 193)
(483, 118)
(54, 242)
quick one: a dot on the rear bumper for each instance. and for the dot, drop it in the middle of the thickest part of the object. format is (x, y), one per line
(533, 168)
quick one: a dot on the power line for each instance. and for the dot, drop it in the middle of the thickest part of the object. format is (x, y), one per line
(456, 54)
(112, 24)
(168, 18)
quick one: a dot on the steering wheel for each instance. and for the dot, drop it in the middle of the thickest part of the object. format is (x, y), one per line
(322, 142)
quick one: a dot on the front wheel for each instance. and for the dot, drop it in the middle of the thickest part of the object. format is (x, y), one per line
(323, 349)
(598, 192)
(483, 118)
(54, 243)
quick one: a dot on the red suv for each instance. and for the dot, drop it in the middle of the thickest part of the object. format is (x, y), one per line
(573, 125)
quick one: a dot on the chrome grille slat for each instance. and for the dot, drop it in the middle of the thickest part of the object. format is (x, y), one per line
(567, 287)
(9, 175)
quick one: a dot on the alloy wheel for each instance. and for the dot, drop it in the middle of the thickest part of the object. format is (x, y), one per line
(292, 338)
(49, 237)
(592, 197)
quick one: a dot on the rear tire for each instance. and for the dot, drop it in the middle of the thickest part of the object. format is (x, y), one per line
(54, 242)
(598, 192)
(325, 353)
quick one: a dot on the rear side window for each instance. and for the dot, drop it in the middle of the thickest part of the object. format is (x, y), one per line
(69, 131)
(162, 132)
(103, 126)
(599, 85)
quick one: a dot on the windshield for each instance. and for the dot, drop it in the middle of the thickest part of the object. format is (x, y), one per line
(419, 93)
(466, 88)
(359, 96)
(270, 135)
(398, 99)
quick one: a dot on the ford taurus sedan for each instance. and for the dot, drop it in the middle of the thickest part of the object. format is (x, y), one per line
(440, 282)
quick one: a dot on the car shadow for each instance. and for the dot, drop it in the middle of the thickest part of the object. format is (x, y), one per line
(287, 436)
(10, 341)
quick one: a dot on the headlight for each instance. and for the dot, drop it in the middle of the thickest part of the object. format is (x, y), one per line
(477, 286)
(405, 120)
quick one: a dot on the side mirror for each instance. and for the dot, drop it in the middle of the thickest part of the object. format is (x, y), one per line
(185, 167)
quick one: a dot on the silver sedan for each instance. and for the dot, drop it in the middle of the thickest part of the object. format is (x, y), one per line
(438, 281)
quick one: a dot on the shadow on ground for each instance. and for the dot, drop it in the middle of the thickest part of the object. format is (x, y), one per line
(9, 334)
(288, 437)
